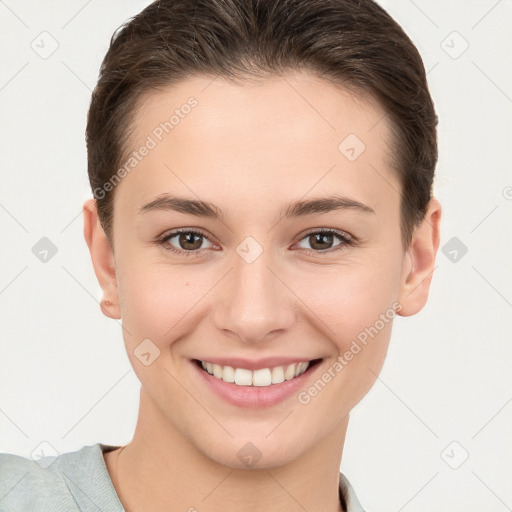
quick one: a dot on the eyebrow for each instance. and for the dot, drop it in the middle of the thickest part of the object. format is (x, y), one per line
(200, 208)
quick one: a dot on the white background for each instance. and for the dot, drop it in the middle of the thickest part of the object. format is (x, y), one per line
(64, 375)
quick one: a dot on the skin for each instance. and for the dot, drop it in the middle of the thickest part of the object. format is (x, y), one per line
(250, 149)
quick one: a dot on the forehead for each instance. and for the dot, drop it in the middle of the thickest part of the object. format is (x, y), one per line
(282, 135)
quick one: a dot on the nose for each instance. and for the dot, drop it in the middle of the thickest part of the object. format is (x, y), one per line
(254, 302)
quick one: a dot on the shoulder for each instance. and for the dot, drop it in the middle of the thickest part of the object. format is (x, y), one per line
(54, 483)
(26, 484)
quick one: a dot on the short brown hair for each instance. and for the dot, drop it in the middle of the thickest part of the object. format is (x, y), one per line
(353, 43)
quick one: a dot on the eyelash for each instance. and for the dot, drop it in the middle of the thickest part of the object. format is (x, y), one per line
(345, 238)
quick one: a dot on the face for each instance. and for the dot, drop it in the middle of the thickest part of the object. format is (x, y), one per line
(258, 279)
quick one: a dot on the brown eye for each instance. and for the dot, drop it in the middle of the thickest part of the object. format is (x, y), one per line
(189, 241)
(184, 242)
(323, 240)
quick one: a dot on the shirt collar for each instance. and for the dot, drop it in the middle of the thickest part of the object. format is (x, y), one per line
(78, 467)
(348, 495)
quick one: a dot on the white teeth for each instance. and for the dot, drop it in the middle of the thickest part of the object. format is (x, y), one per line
(301, 368)
(217, 371)
(228, 374)
(290, 372)
(262, 377)
(277, 375)
(243, 377)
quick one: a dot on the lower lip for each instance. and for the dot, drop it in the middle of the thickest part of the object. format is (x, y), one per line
(255, 396)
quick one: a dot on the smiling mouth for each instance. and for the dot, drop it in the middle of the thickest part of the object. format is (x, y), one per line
(262, 377)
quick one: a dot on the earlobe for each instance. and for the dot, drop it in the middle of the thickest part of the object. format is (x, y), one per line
(419, 262)
(103, 261)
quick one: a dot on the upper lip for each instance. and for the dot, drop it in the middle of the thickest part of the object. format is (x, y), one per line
(255, 364)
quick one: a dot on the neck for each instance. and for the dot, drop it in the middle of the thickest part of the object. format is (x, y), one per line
(161, 467)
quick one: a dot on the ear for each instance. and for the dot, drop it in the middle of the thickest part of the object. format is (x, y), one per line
(419, 262)
(103, 261)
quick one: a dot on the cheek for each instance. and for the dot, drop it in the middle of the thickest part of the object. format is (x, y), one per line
(356, 320)
(350, 297)
(158, 300)
(355, 305)
(157, 305)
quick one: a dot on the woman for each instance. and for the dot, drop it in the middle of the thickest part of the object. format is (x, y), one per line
(262, 179)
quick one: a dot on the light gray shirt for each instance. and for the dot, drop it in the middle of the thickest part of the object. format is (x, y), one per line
(78, 482)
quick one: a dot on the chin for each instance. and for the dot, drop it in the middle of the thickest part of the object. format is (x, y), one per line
(251, 455)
